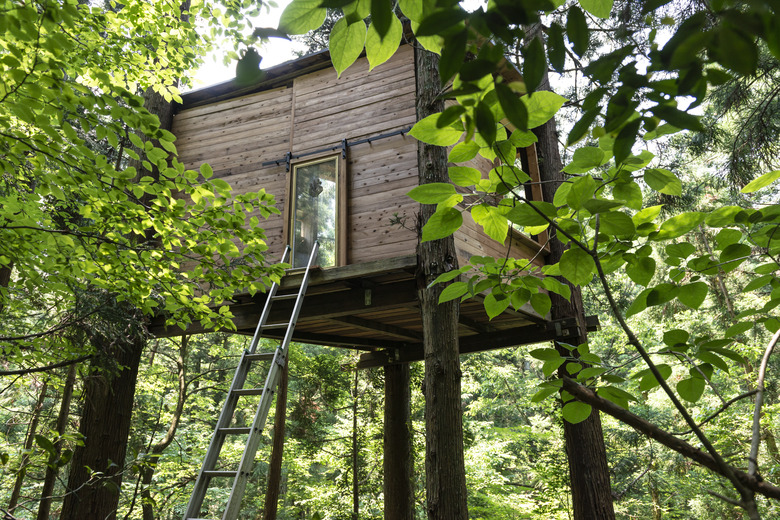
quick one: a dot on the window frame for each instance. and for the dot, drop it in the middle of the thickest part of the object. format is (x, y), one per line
(341, 202)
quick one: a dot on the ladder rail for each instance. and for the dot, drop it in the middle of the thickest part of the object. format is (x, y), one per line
(241, 474)
(271, 382)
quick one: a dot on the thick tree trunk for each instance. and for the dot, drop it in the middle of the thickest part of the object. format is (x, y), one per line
(588, 469)
(105, 426)
(275, 466)
(50, 479)
(398, 451)
(444, 466)
(28, 444)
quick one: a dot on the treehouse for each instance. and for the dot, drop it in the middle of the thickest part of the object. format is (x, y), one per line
(337, 155)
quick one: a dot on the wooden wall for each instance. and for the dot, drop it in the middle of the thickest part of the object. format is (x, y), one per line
(314, 111)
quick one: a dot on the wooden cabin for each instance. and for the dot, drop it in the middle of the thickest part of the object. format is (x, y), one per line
(336, 154)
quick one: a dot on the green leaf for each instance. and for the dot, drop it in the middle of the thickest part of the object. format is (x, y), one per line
(302, 16)
(382, 17)
(442, 224)
(541, 303)
(556, 286)
(346, 44)
(625, 141)
(681, 250)
(675, 337)
(463, 152)
(545, 354)
(663, 181)
(486, 124)
(641, 271)
(551, 366)
(616, 223)
(541, 107)
(577, 266)
(495, 304)
(524, 215)
(514, 109)
(426, 131)
(522, 139)
(556, 48)
(544, 393)
(761, 182)
(649, 381)
(380, 50)
(630, 192)
(616, 395)
(453, 290)
(585, 159)
(453, 56)
(577, 30)
(598, 8)
(691, 388)
(495, 224)
(576, 412)
(534, 64)
(464, 175)
(693, 294)
(679, 225)
(432, 193)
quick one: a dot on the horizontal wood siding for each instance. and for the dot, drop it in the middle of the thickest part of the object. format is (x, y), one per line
(361, 105)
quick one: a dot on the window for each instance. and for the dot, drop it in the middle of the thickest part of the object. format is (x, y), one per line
(314, 211)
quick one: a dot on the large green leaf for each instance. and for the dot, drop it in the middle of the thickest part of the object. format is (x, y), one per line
(585, 159)
(663, 181)
(491, 219)
(641, 271)
(598, 8)
(433, 192)
(495, 304)
(691, 388)
(427, 131)
(679, 225)
(514, 109)
(346, 44)
(693, 294)
(534, 64)
(577, 30)
(442, 224)
(761, 182)
(302, 16)
(576, 412)
(463, 152)
(541, 107)
(616, 223)
(577, 266)
(378, 49)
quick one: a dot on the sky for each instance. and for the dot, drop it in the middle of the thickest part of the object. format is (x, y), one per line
(276, 51)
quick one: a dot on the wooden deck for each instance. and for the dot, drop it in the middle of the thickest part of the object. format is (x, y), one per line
(373, 307)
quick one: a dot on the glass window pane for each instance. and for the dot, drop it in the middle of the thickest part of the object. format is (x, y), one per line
(314, 212)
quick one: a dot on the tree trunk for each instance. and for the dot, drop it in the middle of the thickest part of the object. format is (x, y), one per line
(50, 479)
(275, 466)
(398, 450)
(97, 466)
(28, 444)
(444, 466)
(588, 469)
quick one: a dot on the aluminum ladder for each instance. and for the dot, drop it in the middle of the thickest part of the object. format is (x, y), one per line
(223, 430)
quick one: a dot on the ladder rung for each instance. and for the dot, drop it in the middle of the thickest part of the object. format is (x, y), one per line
(248, 391)
(234, 431)
(260, 356)
(276, 326)
(220, 473)
(286, 296)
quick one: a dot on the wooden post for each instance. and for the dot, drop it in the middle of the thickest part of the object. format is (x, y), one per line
(444, 465)
(398, 450)
(275, 465)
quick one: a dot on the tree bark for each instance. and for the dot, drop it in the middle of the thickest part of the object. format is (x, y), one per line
(50, 479)
(105, 425)
(398, 450)
(28, 444)
(277, 452)
(444, 465)
(588, 469)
